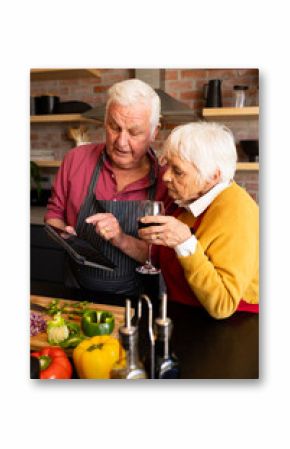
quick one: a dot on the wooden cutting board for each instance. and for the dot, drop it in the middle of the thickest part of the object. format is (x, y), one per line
(40, 341)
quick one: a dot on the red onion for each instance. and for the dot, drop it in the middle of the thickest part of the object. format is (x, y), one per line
(37, 324)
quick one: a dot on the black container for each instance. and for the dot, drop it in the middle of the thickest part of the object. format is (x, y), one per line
(41, 198)
(46, 104)
(71, 107)
(37, 105)
(212, 94)
(33, 105)
(251, 148)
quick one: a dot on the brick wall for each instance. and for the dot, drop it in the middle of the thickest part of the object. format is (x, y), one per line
(250, 181)
(185, 85)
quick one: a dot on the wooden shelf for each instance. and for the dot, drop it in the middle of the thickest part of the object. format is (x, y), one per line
(231, 113)
(57, 74)
(47, 164)
(248, 166)
(241, 166)
(57, 118)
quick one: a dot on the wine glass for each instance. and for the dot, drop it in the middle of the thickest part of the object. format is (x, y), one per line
(149, 207)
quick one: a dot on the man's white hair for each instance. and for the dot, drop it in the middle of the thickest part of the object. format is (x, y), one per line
(134, 91)
(209, 146)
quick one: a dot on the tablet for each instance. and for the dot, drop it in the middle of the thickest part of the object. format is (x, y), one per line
(80, 250)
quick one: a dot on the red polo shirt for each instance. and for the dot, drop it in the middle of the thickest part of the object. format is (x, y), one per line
(73, 178)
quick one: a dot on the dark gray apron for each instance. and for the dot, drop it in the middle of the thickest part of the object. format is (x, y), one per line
(123, 280)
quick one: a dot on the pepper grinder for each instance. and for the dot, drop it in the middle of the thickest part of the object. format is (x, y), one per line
(166, 363)
(128, 367)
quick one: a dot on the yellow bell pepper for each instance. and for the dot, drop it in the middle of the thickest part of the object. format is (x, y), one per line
(94, 357)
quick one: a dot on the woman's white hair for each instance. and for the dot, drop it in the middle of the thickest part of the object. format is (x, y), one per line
(133, 91)
(209, 146)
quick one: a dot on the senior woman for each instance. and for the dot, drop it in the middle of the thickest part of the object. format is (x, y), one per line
(209, 250)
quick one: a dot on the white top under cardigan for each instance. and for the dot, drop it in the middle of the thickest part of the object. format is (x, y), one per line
(197, 207)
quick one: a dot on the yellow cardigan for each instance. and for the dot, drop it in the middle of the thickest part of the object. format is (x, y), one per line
(225, 265)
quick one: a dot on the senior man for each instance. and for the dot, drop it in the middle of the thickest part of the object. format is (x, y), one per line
(97, 189)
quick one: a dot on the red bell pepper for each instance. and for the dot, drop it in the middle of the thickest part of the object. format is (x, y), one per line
(54, 363)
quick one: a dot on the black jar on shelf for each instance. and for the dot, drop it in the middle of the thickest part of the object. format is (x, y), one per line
(251, 148)
(47, 104)
(43, 104)
(213, 94)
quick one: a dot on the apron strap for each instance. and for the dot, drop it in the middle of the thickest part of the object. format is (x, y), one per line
(90, 195)
(152, 177)
(96, 173)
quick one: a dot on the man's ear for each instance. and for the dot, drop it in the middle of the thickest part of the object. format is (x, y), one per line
(155, 132)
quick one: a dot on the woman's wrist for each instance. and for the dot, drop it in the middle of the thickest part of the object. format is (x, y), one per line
(187, 248)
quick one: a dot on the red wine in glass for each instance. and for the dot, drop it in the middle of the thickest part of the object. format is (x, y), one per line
(146, 225)
(148, 208)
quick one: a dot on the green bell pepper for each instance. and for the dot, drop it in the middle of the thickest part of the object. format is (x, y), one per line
(97, 322)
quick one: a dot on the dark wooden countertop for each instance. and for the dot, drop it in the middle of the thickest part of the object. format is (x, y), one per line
(215, 349)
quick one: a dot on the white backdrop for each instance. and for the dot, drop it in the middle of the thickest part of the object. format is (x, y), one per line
(199, 414)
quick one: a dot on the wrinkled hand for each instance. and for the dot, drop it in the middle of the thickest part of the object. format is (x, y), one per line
(107, 226)
(171, 232)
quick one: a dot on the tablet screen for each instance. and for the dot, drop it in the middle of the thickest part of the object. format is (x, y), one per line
(81, 250)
